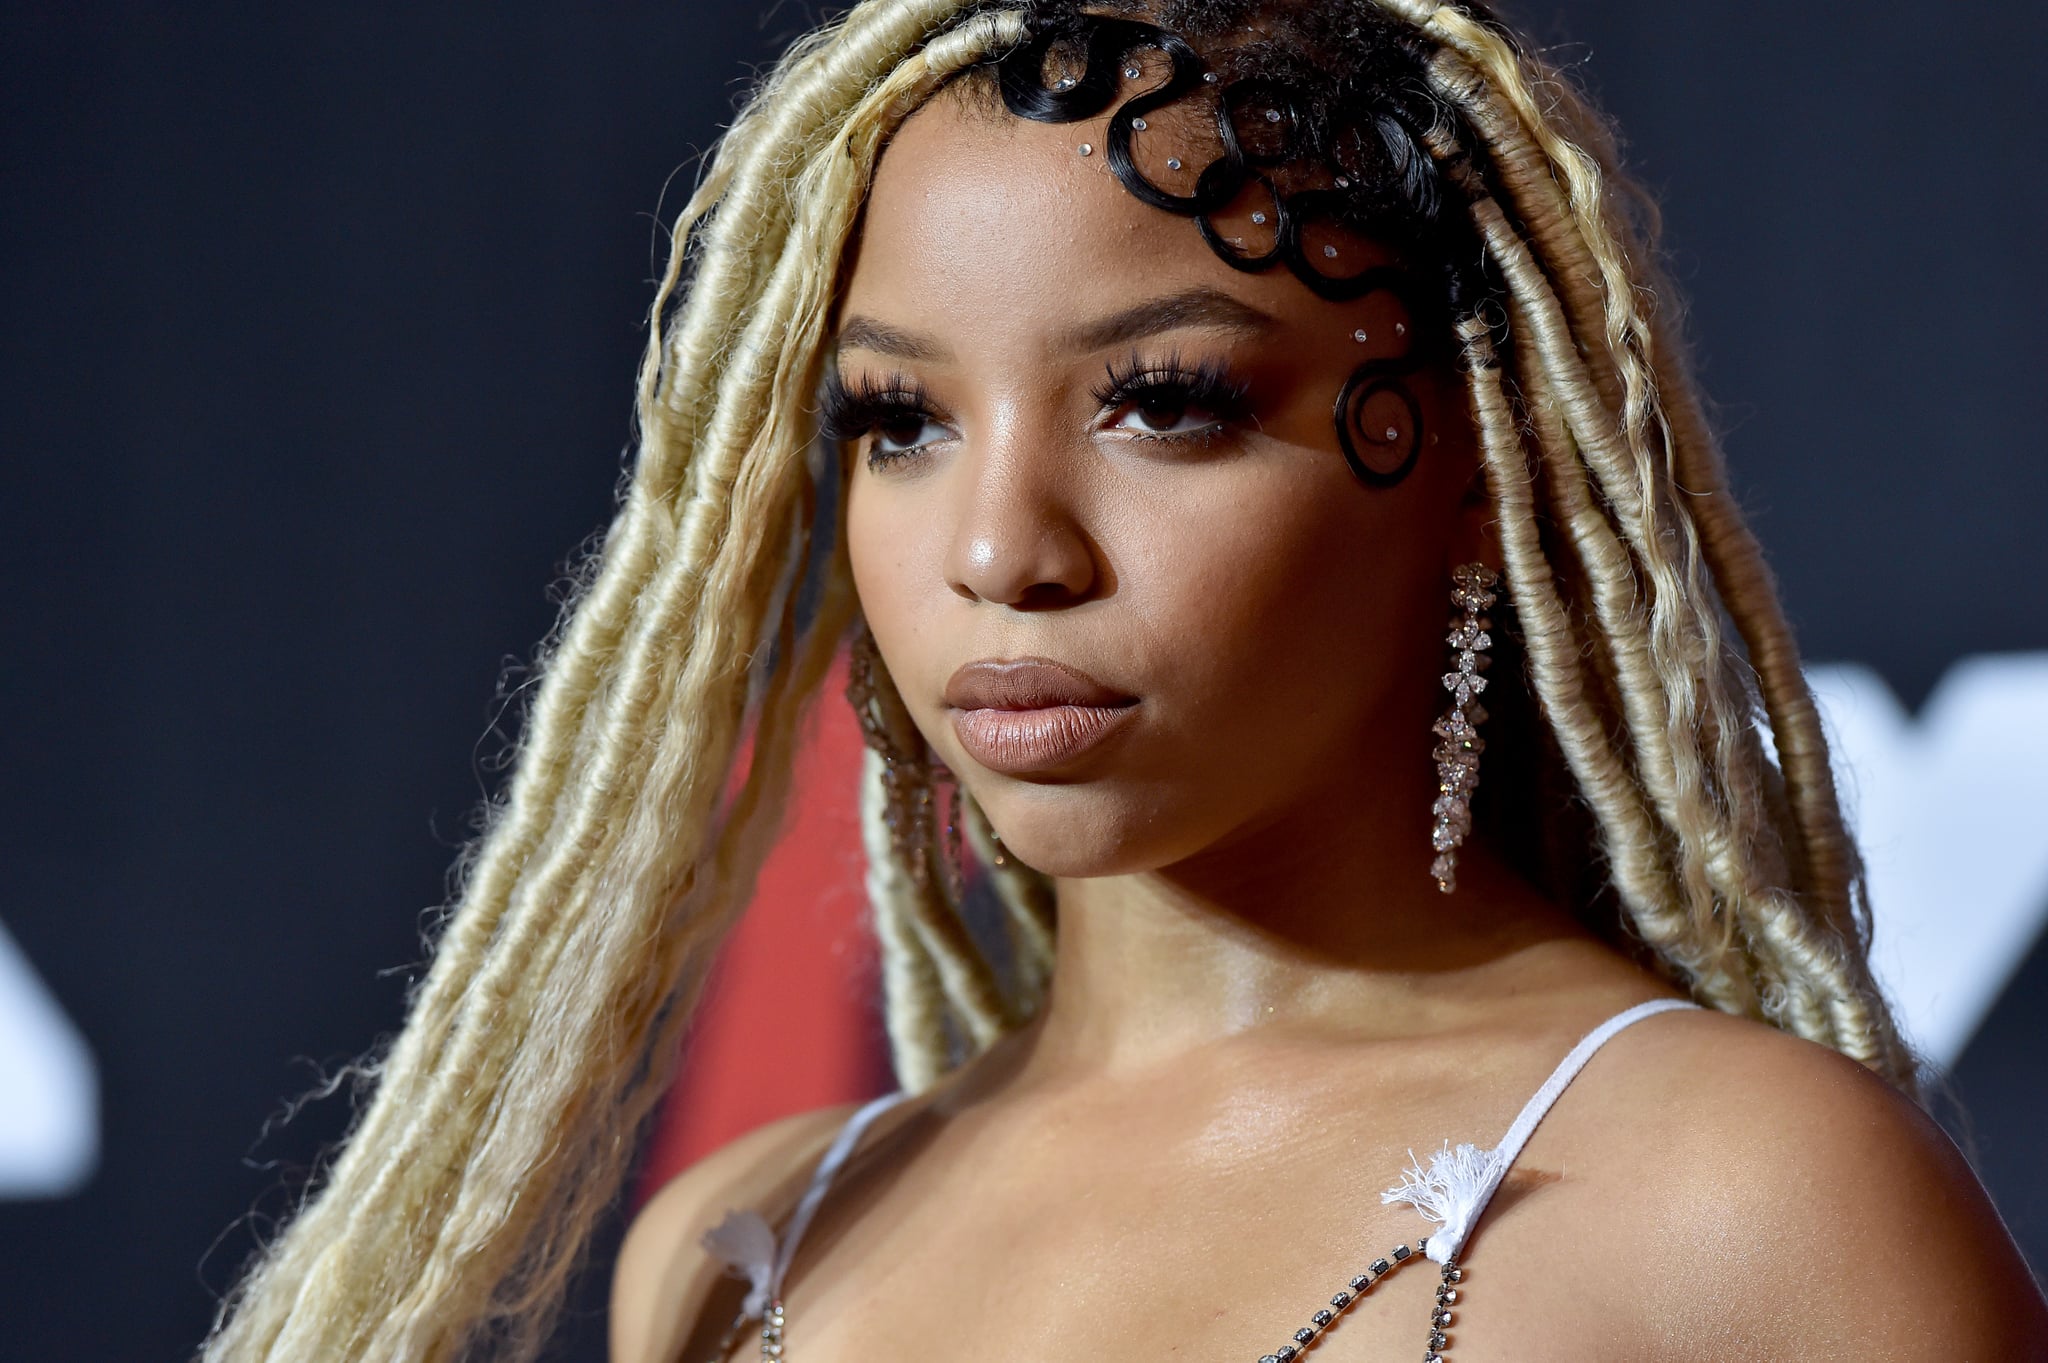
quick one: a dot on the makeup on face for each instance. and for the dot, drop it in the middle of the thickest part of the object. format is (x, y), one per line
(1164, 377)
(1101, 449)
(1032, 715)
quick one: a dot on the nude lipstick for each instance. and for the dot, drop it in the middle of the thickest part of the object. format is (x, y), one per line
(1027, 715)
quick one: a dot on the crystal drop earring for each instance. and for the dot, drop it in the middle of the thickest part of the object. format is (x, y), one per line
(907, 773)
(1459, 745)
(953, 867)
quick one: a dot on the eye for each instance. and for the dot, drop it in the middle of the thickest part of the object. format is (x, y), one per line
(1172, 400)
(892, 417)
(903, 430)
(1164, 412)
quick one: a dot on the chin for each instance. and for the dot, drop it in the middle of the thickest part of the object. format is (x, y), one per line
(1059, 832)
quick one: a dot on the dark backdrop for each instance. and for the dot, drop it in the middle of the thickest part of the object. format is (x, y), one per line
(320, 325)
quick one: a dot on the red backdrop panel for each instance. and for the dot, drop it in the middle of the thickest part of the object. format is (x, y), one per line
(789, 1019)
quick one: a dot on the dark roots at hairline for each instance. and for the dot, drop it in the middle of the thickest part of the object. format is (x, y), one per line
(1295, 135)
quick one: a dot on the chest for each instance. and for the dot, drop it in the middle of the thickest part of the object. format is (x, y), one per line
(1186, 1253)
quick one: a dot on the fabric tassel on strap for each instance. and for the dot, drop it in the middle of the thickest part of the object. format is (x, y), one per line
(747, 1245)
(1451, 1192)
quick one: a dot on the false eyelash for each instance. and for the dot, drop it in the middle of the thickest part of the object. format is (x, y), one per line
(1207, 386)
(849, 411)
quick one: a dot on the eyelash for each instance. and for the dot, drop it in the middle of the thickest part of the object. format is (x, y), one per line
(852, 411)
(1207, 386)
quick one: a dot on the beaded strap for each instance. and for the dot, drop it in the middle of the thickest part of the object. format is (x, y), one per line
(774, 1318)
(1439, 1319)
(772, 1321)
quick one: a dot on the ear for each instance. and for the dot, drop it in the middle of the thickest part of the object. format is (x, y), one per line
(1475, 528)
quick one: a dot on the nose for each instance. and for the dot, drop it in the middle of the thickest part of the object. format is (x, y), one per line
(1020, 538)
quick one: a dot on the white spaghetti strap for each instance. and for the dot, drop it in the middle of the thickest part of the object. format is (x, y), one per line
(1567, 1070)
(1454, 1190)
(821, 1180)
(746, 1242)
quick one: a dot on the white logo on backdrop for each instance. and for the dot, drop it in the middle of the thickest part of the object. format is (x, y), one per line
(1951, 809)
(49, 1092)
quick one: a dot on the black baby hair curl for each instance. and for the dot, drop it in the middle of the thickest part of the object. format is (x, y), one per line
(1326, 110)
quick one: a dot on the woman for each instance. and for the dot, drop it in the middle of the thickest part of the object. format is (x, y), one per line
(1182, 371)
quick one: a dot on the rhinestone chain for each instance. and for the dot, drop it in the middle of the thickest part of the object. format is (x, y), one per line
(1439, 1320)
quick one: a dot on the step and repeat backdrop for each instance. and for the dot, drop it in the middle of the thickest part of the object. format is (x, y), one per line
(319, 339)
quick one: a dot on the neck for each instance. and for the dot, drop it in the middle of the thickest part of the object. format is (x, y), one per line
(1322, 925)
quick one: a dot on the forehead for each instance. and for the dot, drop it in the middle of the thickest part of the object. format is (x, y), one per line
(995, 223)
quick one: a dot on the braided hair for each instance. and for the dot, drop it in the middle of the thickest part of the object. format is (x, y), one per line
(586, 911)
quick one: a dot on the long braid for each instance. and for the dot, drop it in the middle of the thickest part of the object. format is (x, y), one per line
(914, 1002)
(479, 1067)
(1830, 856)
(1659, 737)
(744, 385)
(693, 526)
(923, 896)
(659, 1009)
(597, 891)
(1720, 798)
(1588, 263)
(594, 621)
(1709, 940)
(1720, 719)
(1638, 863)
(1832, 870)
(431, 1210)
(1550, 341)
(529, 944)
(1773, 922)
(1603, 302)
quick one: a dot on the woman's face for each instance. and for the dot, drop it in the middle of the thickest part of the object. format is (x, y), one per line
(1077, 436)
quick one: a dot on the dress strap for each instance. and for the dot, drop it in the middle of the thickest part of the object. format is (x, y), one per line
(744, 1239)
(1454, 1190)
(835, 1158)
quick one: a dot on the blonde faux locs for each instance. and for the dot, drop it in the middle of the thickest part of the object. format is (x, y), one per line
(1627, 559)
(504, 1116)
(1760, 913)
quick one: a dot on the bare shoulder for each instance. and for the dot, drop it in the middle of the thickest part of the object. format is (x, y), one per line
(663, 1274)
(1796, 1202)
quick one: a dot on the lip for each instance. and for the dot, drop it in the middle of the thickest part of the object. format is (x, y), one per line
(1026, 715)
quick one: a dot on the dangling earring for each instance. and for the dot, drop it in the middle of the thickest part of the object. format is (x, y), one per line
(909, 774)
(951, 862)
(1457, 754)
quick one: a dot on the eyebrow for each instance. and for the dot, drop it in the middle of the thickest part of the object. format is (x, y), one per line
(865, 333)
(1201, 306)
(1197, 307)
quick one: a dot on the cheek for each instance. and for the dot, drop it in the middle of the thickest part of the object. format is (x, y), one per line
(883, 551)
(895, 546)
(1287, 601)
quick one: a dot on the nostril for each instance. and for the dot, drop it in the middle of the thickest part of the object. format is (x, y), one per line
(1044, 596)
